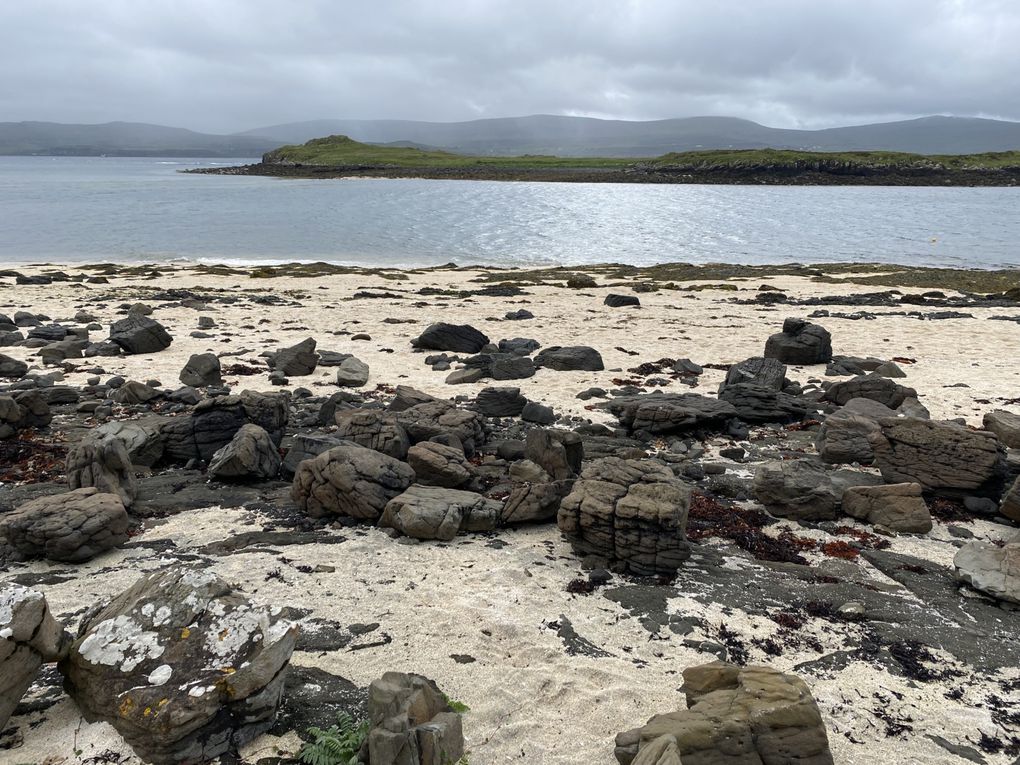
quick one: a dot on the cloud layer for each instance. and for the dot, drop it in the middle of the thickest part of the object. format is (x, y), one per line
(236, 64)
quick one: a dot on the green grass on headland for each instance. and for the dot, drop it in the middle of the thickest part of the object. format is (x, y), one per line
(810, 160)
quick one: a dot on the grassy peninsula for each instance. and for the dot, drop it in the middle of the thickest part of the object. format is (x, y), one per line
(339, 156)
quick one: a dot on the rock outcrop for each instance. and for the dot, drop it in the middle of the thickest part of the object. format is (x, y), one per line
(804, 490)
(250, 454)
(898, 507)
(432, 512)
(439, 465)
(214, 421)
(411, 723)
(140, 334)
(800, 342)
(102, 462)
(992, 569)
(373, 429)
(670, 413)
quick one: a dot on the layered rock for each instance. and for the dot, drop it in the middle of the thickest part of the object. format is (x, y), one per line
(670, 413)
(804, 490)
(1005, 425)
(768, 373)
(848, 434)
(433, 512)
(25, 410)
(411, 723)
(759, 403)
(102, 462)
(991, 569)
(140, 334)
(439, 465)
(458, 338)
(373, 429)
(800, 342)
(305, 446)
(250, 454)
(898, 507)
(880, 389)
(426, 421)
(214, 421)
(141, 438)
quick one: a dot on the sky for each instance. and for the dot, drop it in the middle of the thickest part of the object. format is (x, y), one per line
(233, 65)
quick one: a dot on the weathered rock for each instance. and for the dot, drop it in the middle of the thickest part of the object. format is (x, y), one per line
(558, 452)
(804, 490)
(879, 389)
(182, 666)
(535, 502)
(442, 418)
(29, 636)
(405, 397)
(800, 342)
(433, 512)
(521, 346)
(759, 403)
(349, 480)
(510, 367)
(412, 723)
(1005, 425)
(305, 446)
(214, 421)
(72, 527)
(540, 414)
(102, 462)
(633, 513)
(937, 455)
(500, 402)
(848, 433)
(250, 454)
(620, 301)
(297, 361)
(769, 373)
(12, 368)
(991, 569)
(1010, 505)
(140, 334)
(134, 392)
(735, 716)
(569, 359)
(459, 338)
(352, 373)
(201, 371)
(671, 413)
(25, 410)
(373, 429)
(898, 506)
(439, 465)
(141, 438)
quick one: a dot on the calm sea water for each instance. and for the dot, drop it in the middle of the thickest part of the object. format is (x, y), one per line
(134, 209)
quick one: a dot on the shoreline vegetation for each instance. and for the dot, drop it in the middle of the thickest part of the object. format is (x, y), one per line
(341, 157)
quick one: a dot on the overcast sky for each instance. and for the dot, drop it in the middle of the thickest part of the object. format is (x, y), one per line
(229, 65)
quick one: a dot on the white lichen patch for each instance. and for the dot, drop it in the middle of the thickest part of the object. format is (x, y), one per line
(120, 642)
(229, 634)
(11, 596)
(160, 674)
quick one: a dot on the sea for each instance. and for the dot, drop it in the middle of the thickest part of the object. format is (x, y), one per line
(106, 209)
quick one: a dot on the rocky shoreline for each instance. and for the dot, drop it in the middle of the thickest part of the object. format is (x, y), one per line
(551, 516)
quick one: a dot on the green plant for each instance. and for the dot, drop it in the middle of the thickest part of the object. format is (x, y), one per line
(456, 706)
(336, 745)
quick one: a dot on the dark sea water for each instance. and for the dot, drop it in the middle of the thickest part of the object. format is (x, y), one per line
(142, 209)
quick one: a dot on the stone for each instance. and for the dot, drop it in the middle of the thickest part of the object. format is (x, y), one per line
(439, 465)
(412, 722)
(70, 528)
(305, 446)
(898, 507)
(352, 373)
(12, 368)
(632, 513)
(847, 434)
(540, 414)
(570, 359)
(659, 414)
(141, 438)
(29, 636)
(581, 282)
(296, 361)
(465, 376)
(759, 403)
(500, 402)
(134, 392)
(769, 373)
(349, 480)
(28, 409)
(735, 716)
(102, 462)
(800, 342)
(214, 421)
(1010, 505)
(250, 454)
(373, 429)
(443, 418)
(511, 367)
(803, 490)
(992, 569)
(620, 301)
(201, 371)
(558, 452)
(50, 333)
(405, 397)
(181, 665)
(535, 502)
(519, 315)
(880, 389)
(434, 512)
(522, 346)
(140, 334)
(459, 338)
(937, 455)
(1005, 425)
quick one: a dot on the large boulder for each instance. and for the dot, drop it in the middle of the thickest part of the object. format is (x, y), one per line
(1005, 425)
(412, 723)
(991, 569)
(12, 368)
(800, 342)
(760, 403)
(214, 421)
(433, 512)
(201, 371)
(458, 338)
(631, 513)
(181, 665)
(535, 502)
(141, 438)
(70, 528)
(558, 452)
(352, 373)
(134, 392)
(570, 359)
(804, 490)
(406, 397)
(657, 413)
(937, 455)
(296, 361)
(373, 429)
(140, 334)
(439, 465)
(500, 402)
(898, 507)
(768, 373)
(29, 636)
(848, 433)
(250, 454)
(305, 446)
(443, 419)
(880, 389)
(25, 410)
(735, 716)
(1010, 504)
(349, 480)
(102, 462)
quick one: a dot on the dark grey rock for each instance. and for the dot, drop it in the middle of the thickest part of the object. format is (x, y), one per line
(800, 342)
(140, 334)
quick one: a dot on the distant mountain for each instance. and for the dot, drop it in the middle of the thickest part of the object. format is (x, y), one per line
(124, 139)
(585, 136)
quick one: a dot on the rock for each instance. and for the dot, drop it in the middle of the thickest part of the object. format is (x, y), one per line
(804, 490)
(352, 373)
(879, 389)
(71, 528)
(535, 502)
(297, 361)
(569, 359)
(630, 512)
(433, 512)
(182, 666)
(133, 392)
(937, 455)
(406, 397)
(500, 402)
(1010, 505)
(558, 452)
(511, 367)
(51, 334)
(670, 413)
(201, 371)
(141, 438)
(25, 410)
(251, 454)
(899, 507)
(140, 334)
(800, 342)
(991, 569)
(442, 418)
(521, 346)
(373, 429)
(852, 365)
(102, 462)
(735, 715)
(619, 301)
(12, 368)
(889, 369)
(519, 315)
(465, 376)
(439, 465)
(459, 338)
(581, 282)
(848, 433)
(412, 723)
(29, 636)
(768, 373)
(304, 447)
(214, 421)
(1005, 425)
(759, 403)
(349, 480)
(540, 414)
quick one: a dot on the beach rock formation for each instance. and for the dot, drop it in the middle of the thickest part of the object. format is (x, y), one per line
(804, 490)
(759, 403)
(433, 419)
(25, 410)
(848, 434)
(620, 301)
(142, 439)
(458, 338)
(433, 512)
(411, 723)
(250, 454)
(768, 373)
(500, 402)
(102, 461)
(990, 568)
(880, 389)
(305, 446)
(201, 371)
(12, 368)
(214, 421)
(139, 334)
(800, 342)
(570, 359)
(1005, 425)
(436, 464)
(352, 373)
(296, 361)
(898, 507)
(373, 429)
(670, 413)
